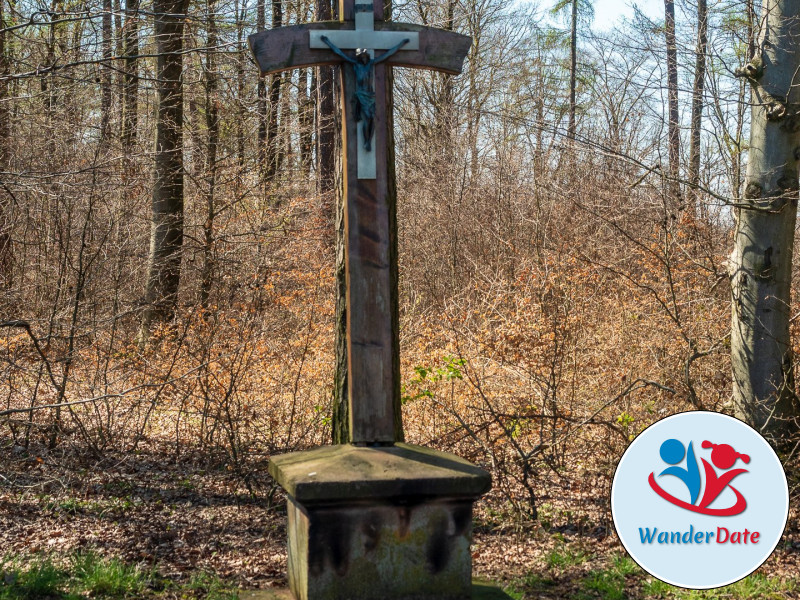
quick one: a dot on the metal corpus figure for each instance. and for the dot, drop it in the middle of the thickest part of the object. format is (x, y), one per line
(365, 94)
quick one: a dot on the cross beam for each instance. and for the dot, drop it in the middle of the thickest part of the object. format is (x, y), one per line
(372, 363)
(364, 34)
(286, 48)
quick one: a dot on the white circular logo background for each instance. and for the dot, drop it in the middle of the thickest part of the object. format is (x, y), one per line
(699, 500)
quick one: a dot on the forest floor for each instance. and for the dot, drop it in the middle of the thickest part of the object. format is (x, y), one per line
(144, 525)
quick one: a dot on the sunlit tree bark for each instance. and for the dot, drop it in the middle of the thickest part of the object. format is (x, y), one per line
(761, 261)
(166, 233)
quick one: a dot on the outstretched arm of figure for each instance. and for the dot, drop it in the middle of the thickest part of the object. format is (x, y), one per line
(325, 39)
(390, 51)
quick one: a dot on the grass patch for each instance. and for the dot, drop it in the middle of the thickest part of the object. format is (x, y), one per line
(624, 565)
(206, 586)
(113, 507)
(84, 575)
(513, 592)
(41, 580)
(655, 588)
(609, 584)
(108, 578)
(533, 583)
(606, 584)
(564, 556)
(754, 587)
(538, 583)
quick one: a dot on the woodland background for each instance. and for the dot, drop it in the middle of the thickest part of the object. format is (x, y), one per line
(563, 279)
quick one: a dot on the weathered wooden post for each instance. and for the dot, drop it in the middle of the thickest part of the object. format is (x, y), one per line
(374, 518)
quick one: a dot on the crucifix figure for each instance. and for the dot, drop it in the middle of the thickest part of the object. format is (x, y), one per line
(364, 96)
(373, 377)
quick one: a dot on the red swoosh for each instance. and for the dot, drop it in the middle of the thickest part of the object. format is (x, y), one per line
(737, 508)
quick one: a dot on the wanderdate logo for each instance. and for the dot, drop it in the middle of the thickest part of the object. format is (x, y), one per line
(723, 457)
(699, 500)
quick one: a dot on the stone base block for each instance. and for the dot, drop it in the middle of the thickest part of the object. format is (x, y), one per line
(378, 552)
(379, 523)
(481, 590)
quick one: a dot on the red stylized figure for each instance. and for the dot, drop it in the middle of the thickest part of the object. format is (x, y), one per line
(724, 457)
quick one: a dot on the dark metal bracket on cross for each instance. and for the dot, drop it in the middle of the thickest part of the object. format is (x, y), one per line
(370, 353)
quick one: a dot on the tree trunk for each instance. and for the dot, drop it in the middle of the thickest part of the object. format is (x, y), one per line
(241, 12)
(761, 261)
(444, 106)
(474, 108)
(573, 69)
(271, 143)
(131, 77)
(212, 128)
(751, 27)
(305, 118)
(697, 101)
(5, 128)
(673, 119)
(741, 117)
(166, 235)
(106, 97)
(49, 91)
(261, 99)
(743, 104)
(5, 159)
(325, 123)
(119, 49)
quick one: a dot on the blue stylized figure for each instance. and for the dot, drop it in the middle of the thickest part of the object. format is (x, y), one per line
(672, 452)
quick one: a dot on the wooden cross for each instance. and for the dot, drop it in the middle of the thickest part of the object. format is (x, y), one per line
(370, 354)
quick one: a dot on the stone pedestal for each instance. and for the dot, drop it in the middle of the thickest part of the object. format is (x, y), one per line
(379, 523)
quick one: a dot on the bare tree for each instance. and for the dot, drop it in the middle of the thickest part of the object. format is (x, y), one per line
(305, 117)
(5, 155)
(761, 262)
(166, 234)
(261, 94)
(698, 100)
(212, 109)
(130, 76)
(273, 153)
(107, 92)
(573, 68)
(325, 118)
(576, 7)
(673, 115)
